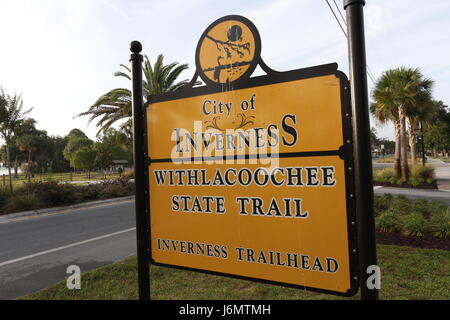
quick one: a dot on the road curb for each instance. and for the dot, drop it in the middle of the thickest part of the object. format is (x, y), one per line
(55, 209)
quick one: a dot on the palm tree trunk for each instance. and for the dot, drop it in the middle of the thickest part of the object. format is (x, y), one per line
(397, 164)
(412, 140)
(403, 146)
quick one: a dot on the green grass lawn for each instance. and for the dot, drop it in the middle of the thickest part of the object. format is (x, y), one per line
(406, 273)
(385, 160)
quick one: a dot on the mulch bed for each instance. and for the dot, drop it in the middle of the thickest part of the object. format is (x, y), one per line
(426, 242)
(428, 186)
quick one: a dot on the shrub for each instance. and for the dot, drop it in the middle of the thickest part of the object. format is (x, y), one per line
(122, 181)
(112, 191)
(114, 188)
(4, 195)
(106, 189)
(437, 207)
(417, 175)
(387, 197)
(128, 174)
(415, 224)
(423, 173)
(382, 203)
(383, 175)
(440, 224)
(37, 195)
(389, 221)
(50, 193)
(23, 201)
(401, 205)
(87, 192)
(415, 182)
(420, 205)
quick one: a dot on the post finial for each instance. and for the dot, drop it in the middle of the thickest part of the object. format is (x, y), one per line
(135, 47)
(349, 2)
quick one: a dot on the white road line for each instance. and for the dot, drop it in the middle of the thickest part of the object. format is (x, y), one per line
(65, 247)
(377, 187)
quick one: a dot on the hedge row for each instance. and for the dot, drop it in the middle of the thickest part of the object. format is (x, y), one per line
(412, 217)
(38, 195)
(418, 176)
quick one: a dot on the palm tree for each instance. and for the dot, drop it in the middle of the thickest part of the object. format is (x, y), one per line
(384, 110)
(30, 140)
(396, 94)
(115, 105)
(422, 110)
(11, 115)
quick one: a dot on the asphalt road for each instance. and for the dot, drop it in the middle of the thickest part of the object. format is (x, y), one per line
(35, 251)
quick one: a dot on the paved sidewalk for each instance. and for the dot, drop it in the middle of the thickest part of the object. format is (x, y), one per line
(443, 178)
(430, 195)
(442, 170)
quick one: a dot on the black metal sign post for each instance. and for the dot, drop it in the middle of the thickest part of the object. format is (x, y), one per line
(140, 171)
(361, 144)
(424, 159)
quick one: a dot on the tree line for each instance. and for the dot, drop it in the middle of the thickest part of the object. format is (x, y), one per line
(34, 151)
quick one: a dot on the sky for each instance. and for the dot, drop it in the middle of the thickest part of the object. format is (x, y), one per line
(61, 55)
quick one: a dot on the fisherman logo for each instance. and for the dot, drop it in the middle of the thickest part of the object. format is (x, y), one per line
(228, 50)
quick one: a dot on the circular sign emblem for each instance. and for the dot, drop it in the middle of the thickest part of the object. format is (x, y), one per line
(228, 50)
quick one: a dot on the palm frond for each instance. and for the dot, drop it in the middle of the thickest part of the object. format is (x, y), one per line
(115, 105)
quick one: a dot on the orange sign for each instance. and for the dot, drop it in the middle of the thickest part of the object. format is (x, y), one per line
(254, 180)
